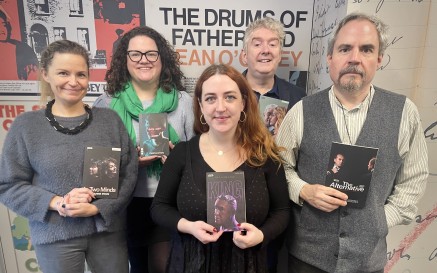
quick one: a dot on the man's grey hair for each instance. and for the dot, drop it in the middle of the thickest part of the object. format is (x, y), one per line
(266, 22)
(230, 200)
(381, 28)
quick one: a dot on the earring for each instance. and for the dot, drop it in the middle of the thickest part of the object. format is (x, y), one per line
(202, 117)
(244, 119)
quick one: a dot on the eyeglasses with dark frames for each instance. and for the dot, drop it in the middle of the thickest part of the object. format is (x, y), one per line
(136, 56)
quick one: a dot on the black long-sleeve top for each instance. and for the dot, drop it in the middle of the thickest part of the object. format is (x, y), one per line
(182, 193)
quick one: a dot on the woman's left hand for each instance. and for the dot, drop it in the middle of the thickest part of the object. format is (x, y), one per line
(253, 236)
(80, 195)
(78, 209)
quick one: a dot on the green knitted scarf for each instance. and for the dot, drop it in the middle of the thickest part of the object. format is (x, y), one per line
(128, 106)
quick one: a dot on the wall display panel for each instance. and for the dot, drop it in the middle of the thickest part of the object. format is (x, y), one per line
(212, 32)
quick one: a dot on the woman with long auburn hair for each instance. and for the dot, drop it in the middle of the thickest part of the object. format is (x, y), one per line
(231, 138)
(250, 135)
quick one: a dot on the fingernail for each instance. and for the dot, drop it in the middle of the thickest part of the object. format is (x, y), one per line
(215, 230)
(238, 224)
(63, 206)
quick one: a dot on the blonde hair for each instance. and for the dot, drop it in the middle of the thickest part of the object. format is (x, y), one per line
(61, 46)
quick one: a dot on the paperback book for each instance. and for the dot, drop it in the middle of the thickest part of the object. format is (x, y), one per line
(350, 170)
(226, 200)
(101, 171)
(272, 112)
(153, 134)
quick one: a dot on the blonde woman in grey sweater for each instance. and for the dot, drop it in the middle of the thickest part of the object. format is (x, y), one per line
(42, 166)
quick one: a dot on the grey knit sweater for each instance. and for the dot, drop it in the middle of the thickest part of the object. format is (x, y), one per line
(38, 163)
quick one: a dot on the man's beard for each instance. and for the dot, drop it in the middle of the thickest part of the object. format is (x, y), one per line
(352, 84)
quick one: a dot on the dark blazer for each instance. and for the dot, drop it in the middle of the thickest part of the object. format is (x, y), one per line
(289, 92)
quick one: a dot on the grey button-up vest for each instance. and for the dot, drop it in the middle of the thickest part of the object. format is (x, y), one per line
(346, 240)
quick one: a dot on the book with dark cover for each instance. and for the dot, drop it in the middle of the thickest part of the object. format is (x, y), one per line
(350, 170)
(226, 199)
(101, 171)
(272, 112)
(153, 134)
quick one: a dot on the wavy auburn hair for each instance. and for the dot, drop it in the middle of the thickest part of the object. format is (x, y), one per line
(251, 135)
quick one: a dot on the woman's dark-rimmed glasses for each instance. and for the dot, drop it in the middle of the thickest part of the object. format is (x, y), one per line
(136, 56)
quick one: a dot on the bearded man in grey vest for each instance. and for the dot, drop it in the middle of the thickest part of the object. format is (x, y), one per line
(326, 235)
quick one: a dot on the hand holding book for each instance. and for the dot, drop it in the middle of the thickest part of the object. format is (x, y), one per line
(204, 232)
(251, 237)
(350, 170)
(322, 197)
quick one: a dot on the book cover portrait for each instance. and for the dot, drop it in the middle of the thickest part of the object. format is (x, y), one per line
(226, 200)
(350, 170)
(101, 171)
(153, 134)
(272, 112)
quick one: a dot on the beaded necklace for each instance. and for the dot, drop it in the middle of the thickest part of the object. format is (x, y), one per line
(58, 127)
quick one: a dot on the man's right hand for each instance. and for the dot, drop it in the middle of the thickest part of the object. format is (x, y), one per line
(323, 198)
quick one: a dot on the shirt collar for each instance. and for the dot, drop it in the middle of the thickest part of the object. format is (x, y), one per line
(273, 93)
(365, 103)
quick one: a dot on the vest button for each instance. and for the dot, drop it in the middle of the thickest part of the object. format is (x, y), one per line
(343, 234)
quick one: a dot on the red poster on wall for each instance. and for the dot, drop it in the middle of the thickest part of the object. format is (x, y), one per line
(27, 27)
(19, 61)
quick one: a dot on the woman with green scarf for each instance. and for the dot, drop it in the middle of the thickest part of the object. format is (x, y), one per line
(145, 77)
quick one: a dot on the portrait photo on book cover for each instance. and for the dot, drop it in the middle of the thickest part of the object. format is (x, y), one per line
(272, 112)
(226, 205)
(154, 137)
(225, 210)
(102, 171)
(350, 170)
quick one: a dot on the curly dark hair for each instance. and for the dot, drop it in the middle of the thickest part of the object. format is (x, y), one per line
(171, 75)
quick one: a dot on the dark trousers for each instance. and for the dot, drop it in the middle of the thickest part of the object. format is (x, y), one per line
(297, 266)
(103, 251)
(148, 244)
